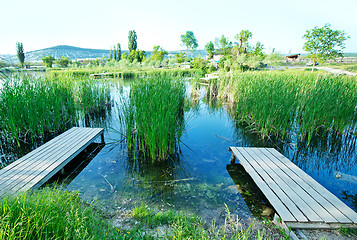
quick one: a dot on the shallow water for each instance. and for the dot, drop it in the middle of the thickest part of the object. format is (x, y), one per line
(199, 179)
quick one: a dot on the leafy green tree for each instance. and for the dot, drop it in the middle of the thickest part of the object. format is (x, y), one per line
(118, 52)
(324, 43)
(124, 55)
(48, 61)
(199, 63)
(132, 45)
(111, 54)
(189, 40)
(224, 45)
(243, 37)
(115, 53)
(210, 49)
(158, 53)
(139, 55)
(20, 53)
(258, 50)
(180, 57)
(63, 61)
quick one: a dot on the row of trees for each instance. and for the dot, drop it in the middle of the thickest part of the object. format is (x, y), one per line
(321, 44)
(62, 62)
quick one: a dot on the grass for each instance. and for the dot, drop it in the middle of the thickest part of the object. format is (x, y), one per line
(153, 116)
(277, 103)
(180, 225)
(51, 214)
(351, 67)
(57, 214)
(33, 107)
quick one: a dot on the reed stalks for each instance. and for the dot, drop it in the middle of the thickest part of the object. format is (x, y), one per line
(153, 116)
(277, 103)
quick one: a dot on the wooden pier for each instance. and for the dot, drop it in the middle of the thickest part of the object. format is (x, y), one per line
(109, 74)
(36, 167)
(299, 201)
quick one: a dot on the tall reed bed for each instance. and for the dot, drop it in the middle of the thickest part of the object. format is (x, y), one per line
(153, 116)
(34, 106)
(275, 103)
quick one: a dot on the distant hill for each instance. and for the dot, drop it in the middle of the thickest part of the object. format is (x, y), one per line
(59, 51)
(75, 53)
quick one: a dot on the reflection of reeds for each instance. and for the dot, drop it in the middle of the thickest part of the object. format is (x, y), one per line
(277, 103)
(153, 116)
(33, 107)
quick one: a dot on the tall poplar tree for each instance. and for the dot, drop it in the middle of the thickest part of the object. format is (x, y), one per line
(133, 45)
(20, 53)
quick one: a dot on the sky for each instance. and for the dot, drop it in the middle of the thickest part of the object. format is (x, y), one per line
(277, 24)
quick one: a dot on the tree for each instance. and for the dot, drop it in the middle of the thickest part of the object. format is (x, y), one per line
(118, 52)
(63, 61)
(243, 38)
(132, 45)
(180, 57)
(125, 55)
(224, 45)
(324, 43)
(48, 61)
(189, 40)
(158, 53)
(20, 53)
(210, 49)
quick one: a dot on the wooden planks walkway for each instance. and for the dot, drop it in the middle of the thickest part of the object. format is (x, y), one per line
(298, 199)
(36, 167)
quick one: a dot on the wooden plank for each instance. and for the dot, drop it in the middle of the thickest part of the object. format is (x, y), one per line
(342, 207)
(34, 152)
(323, 204)
(297, 195)
(284, 198)
(31, 162)
(273, 199)
(320, 225)
(38, 166)
(44, 164)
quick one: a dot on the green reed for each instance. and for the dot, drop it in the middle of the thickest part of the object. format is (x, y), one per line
(153, 116)
(34, 106)
(276, 103)
(51, 214)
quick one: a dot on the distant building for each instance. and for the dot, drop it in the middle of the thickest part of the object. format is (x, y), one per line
(293, 58)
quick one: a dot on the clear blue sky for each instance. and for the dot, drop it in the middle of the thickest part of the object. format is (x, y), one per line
(277, 24)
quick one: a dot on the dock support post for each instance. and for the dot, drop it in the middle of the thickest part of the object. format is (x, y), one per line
(233, 159)
(102, 138)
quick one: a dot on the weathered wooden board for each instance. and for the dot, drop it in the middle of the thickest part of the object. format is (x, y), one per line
(36, 167)
(297, 198)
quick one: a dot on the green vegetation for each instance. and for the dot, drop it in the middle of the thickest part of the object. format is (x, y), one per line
(275, 103)
(51, 214)
(20, 53)
(48, 61)
(63, 62)
(33, 107)
(189, 41)
(351, 67)
(324, 43)
(153, 116)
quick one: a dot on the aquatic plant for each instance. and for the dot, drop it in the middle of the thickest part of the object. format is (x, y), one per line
(51, 214)
(153, 116)
(35, 106)
(275, 103)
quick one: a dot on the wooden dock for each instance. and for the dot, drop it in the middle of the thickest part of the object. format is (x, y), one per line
(109, 74)
(36, 167)
(299, 201)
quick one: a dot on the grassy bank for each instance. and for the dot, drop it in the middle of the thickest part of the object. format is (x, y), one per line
(57, 214)
(35, 106)
(51, 214)
(153, 116)
(275, 103)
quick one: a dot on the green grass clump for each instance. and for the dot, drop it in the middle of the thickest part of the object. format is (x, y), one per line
(51, 214)
(180, 225)
(35, 106)
(275, 103)
(153, 116)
